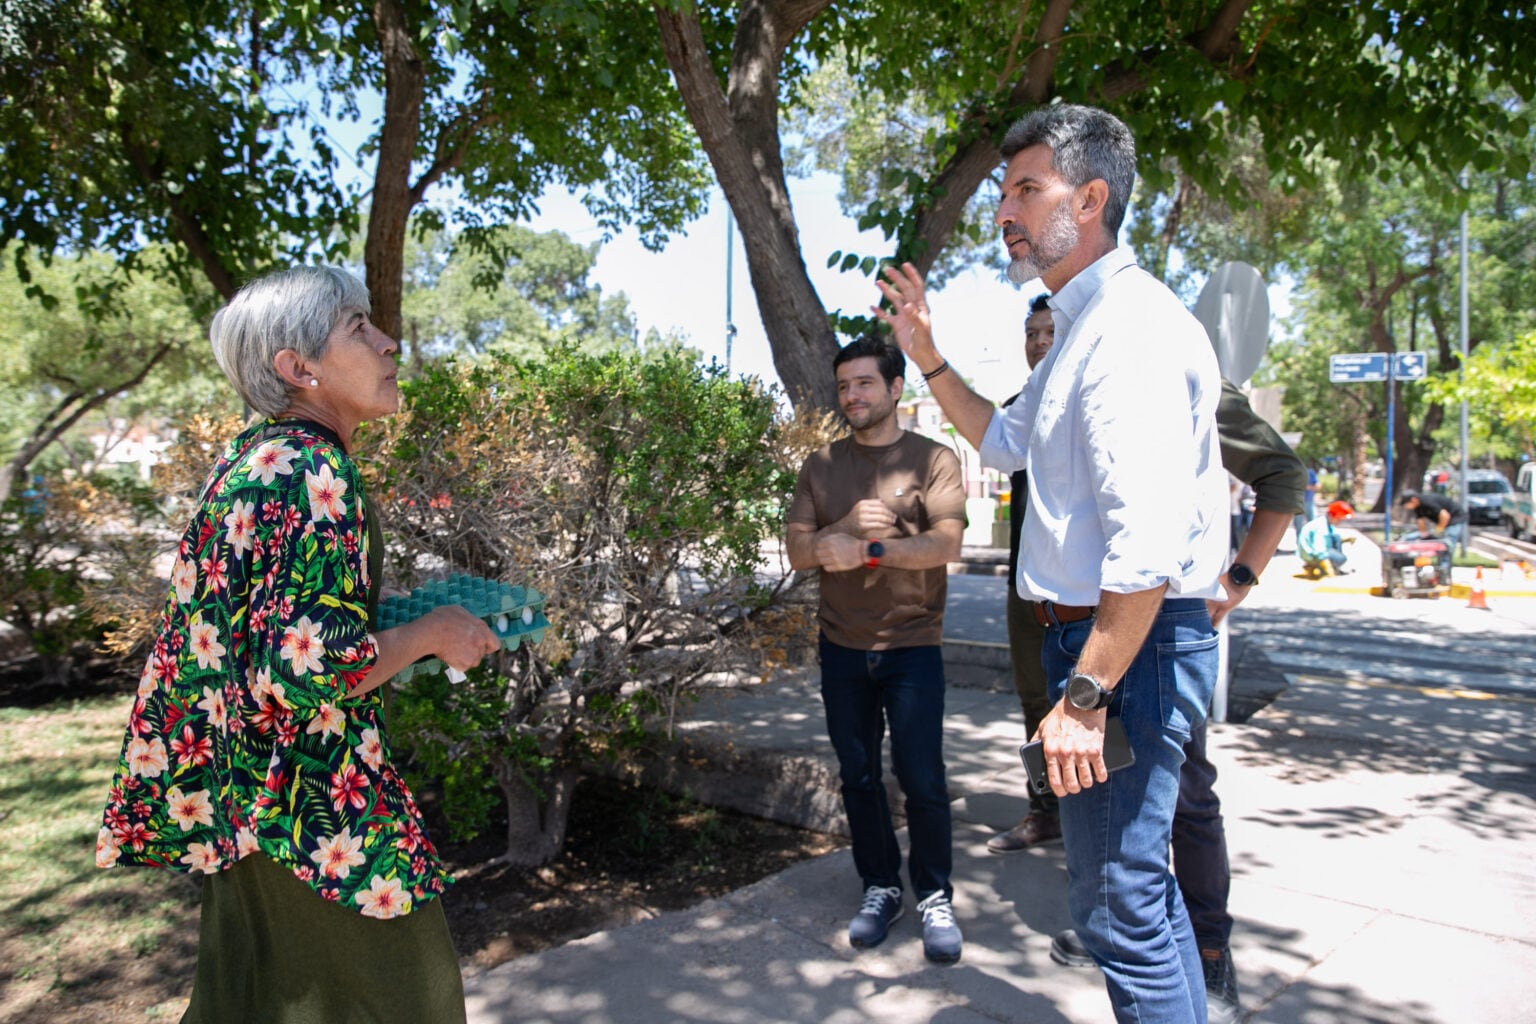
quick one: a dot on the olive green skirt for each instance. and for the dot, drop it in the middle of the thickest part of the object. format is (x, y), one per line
(272, 951)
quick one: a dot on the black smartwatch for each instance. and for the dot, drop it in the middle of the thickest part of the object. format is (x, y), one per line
(1086, 693)
(1241, 575)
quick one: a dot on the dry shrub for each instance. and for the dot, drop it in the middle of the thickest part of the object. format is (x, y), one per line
(129, 589)
(641, 495)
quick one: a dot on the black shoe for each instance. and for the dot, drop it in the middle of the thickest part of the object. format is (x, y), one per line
(1068, 950)
(1221, 1001)
(1036, 828)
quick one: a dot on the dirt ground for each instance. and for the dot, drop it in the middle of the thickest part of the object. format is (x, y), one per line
(629, 854)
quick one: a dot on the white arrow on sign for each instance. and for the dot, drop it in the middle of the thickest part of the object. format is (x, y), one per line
(1410, 365)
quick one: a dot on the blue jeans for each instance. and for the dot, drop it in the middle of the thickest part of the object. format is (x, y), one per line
(1200, 847)
(1455, 536)
(863, 691)
(1122, 896)
(1334, 556)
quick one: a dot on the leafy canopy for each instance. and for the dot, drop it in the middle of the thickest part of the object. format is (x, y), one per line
(201, 125)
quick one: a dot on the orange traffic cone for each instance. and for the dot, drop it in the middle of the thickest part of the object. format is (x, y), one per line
(1478, 598)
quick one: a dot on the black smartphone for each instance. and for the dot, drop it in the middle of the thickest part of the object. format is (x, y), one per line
(1117, 754)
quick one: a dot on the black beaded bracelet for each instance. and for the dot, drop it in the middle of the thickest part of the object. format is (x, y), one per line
(942, 367)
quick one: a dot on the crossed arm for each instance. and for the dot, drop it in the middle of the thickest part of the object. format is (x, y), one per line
(839, 546)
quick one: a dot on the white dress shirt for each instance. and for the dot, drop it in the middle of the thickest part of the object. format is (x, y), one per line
(1117, 428)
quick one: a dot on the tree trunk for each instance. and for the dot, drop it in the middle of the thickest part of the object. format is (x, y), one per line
(739, 130)
(536, 817)
(404, 86)
(1410, 455)
(1359, 463)
(1412, 451)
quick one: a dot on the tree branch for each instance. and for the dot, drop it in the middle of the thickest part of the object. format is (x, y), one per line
(61, 417)
(188, 228)
(974, 160)
(1216, 41)
(452, 145)
(738, 128)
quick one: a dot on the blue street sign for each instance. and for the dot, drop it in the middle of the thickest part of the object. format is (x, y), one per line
(1410, 365)
(1360, 367)
(1355, 367)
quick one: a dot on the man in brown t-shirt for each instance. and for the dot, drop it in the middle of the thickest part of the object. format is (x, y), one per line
(881, 514)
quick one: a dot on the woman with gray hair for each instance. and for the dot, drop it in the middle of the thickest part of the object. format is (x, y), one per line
(256, 753)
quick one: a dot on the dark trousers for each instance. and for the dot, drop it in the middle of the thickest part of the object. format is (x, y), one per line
(271, 951)
(1200, 847)
(1025, 637)
(865, 692)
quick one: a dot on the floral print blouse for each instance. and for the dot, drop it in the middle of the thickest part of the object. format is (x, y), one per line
(242, 736)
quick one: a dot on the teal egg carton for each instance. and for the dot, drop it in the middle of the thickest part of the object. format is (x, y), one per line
(515, 614)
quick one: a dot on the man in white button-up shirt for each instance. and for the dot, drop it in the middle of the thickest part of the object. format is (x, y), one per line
(1124, 538)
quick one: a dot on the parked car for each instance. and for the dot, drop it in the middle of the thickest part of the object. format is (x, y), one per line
(1485, 496)
(1520, 503)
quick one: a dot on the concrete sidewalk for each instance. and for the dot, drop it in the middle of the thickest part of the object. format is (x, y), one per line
(1380, 816)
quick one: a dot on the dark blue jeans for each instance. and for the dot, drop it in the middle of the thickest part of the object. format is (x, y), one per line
(864, 692)
(1200, 847)
(1122, 895)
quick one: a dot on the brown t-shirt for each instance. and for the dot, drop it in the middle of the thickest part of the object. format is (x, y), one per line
(919, 480)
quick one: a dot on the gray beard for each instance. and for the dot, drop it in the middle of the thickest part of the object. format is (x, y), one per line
(1057, 239)
(1024, 270)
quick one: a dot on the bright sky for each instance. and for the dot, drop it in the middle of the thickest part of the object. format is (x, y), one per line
(978, 318)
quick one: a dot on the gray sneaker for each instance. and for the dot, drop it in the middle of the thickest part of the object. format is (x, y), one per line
(941, 936)
(881, 909)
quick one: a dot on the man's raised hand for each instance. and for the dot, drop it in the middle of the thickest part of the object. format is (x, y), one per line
(908, 315)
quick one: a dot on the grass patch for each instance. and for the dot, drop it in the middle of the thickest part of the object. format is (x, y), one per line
(78, 943)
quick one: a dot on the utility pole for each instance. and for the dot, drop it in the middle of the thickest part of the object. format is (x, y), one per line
(1461, 369)
(730, 252)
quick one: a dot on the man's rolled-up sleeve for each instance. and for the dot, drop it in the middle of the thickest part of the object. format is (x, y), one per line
(1005, 445)
(1144, 458)
(1253, 452)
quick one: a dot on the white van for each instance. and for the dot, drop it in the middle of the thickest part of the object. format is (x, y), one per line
(1519, 514)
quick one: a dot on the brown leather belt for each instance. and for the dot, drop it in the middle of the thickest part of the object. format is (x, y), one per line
(1048, 613)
